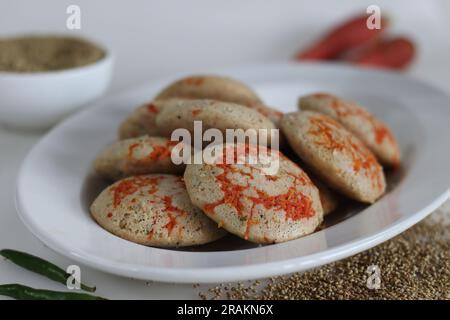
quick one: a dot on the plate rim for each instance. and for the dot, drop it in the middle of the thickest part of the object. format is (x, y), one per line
(229, 273)
(246, 272)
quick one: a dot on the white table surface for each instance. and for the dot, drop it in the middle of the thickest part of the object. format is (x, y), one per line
(152, 39)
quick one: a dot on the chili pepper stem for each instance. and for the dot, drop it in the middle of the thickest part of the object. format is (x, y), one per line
(87, 288)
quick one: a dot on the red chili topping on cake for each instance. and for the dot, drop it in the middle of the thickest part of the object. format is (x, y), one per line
(194, 81)
(331, 135)
(196, 112)
(293, 203)
(159, 151)
(131, 185)
(380, 131)
(152, 108)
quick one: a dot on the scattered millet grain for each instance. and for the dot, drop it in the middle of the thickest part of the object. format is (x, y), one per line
(414, 265)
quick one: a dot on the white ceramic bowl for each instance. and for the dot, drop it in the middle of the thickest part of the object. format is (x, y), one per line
(37, 100)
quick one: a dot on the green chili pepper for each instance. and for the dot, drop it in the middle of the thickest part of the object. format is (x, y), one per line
(40, 266)
(20, 292)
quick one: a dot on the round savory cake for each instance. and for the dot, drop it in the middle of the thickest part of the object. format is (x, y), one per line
(221, 89)
(210, 87)
(141, 121)
(335, 155)
(153, 210)
(212, 114)
(355, 118)
(134, 156)
(245, 198)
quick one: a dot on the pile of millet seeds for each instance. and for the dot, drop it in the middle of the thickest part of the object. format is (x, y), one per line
(413, 265)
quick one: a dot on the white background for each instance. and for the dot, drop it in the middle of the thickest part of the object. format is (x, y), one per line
(155, 38)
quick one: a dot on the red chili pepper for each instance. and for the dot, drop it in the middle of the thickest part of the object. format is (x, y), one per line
(349, 35)
(395, 53)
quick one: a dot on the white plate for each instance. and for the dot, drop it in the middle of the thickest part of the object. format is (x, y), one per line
(55, 184)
